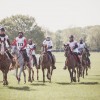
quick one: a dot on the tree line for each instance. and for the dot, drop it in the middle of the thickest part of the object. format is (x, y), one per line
(27, 24)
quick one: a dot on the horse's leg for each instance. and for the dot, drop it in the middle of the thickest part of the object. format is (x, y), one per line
(4, 78)
(83, 69)
(74, 74)
(24, 76)
(17, 73)
(78, 74)
(70, 74)
(29, 78)
(86, 70)
(49, 74)
(43, 75)
(37, 74)
(51, 71)
(21, 69)
(32, 74)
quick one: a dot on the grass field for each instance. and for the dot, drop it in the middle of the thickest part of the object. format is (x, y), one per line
(59, 89)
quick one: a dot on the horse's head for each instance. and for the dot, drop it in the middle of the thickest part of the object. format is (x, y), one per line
(14, 49)
(2, 47)
(67, 50)
(44, 48)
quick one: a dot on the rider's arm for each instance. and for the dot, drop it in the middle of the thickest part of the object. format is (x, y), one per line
(14, 42)
(7, 39)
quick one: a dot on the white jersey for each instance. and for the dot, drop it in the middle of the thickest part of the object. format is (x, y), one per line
(20, 42)
(81, 46)
(48, 43)
(72, 45)
(5, 38)
(31, 48)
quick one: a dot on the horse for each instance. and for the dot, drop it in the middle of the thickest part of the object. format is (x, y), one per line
(72, 64)
(31, 61)
(46, 63)
(20, 63)
(85, 63)
(4, 62)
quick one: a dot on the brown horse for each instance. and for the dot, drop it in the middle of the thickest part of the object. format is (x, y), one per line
(85, 63)
(72, 64)
(4, 62)
(46, 63)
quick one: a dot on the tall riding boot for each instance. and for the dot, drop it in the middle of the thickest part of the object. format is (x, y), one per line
(53, 63)
(35, 60)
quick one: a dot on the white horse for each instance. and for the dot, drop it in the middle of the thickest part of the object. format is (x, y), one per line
(20, 63)
(31, 62)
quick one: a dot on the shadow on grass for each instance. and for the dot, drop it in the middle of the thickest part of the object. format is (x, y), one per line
(82, 83)
(38, 84)
(90, 83)
(64, 83)
(24, 88)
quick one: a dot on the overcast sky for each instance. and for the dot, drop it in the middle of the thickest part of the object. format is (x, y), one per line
(55, 14)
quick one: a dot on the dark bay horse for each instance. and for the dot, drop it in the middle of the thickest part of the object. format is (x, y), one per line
(85, 63)
(72, 64)
(46, 63)
(4, 62)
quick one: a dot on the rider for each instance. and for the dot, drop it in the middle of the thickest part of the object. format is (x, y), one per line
(21, 44)
(32, 47)
(4, 37)
(74, 48)
(49, 44)
(83, 45)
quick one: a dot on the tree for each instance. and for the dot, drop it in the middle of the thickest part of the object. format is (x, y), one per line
(23, 23)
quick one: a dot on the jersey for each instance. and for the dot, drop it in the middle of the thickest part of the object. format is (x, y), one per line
(31, 48)
(49, 44)
(20, 43)
(81, 46)
(4, 38)
(72, 45)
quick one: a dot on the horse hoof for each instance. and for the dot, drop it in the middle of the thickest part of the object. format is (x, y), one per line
(87, 74)
(18, 80)
(7, 83)
(25, 82)
(74, 79)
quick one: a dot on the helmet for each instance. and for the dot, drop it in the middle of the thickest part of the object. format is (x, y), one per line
(20, 34)
(81, 39)
(29, 41)
(2, 29)
(71, 36)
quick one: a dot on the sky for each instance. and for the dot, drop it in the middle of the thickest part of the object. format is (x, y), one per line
(55, 14)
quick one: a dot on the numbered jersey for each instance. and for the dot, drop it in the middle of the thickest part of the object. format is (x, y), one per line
(20, 42)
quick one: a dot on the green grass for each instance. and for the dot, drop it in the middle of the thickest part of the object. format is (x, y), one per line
(59, 89)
